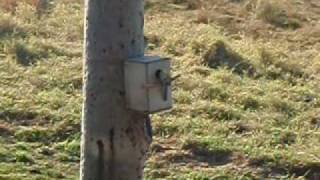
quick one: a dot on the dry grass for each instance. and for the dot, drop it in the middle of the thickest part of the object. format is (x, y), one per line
(278, 13)
(258, 18)
(7, 25)
(225, 124)
(10, 5)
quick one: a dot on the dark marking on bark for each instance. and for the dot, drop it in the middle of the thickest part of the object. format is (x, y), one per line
(133, 42)
(93, 96)
(129, 132)
(112, 154)
(122, 46)
(101, 79)
(104, 51)
(120, 24)
(100, 162)
(142, 19)
(111, 136)
(122, 93)
(148, 126)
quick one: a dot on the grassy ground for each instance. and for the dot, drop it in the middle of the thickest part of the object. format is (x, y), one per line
(247, 103)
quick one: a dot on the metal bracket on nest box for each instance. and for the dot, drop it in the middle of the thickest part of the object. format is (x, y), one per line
(148, 84)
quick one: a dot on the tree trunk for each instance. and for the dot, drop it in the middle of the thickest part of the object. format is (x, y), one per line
(114, 139)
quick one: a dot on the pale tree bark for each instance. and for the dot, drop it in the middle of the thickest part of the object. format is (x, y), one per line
(114, 139)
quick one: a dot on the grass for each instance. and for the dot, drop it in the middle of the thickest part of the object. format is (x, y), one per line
(246, 106)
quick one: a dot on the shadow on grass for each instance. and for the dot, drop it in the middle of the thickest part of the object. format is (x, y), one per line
(47, 135)
(211, 157)
(198, 154)
(310, 170)
(28, 53)
(23, 118)
(221, 55)
(9, 28)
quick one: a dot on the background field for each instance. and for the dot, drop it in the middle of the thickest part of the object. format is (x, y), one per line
(247, 103)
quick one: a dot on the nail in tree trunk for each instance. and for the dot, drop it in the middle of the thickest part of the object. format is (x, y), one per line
(114, 139)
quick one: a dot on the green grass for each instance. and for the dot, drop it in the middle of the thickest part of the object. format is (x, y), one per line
(246, 106)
